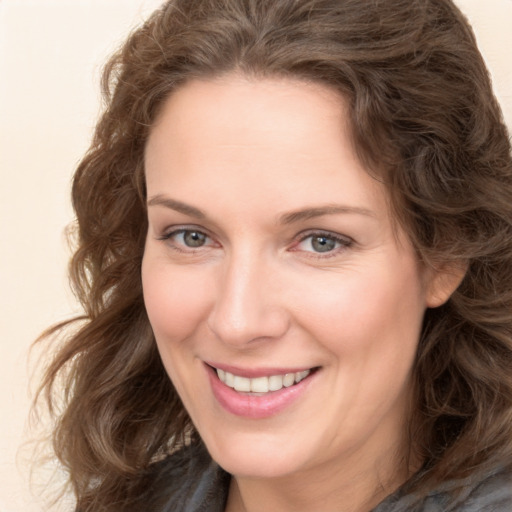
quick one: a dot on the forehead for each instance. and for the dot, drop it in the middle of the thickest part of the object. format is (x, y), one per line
(244, 106)
(285, 139)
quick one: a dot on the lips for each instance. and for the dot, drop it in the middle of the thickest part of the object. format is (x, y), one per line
(264, 394)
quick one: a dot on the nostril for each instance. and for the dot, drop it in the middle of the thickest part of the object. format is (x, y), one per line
(254, 324)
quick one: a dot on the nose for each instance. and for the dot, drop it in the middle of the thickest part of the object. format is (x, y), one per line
(248, 305)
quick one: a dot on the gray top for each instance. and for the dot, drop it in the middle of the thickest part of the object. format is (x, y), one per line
(189, 481)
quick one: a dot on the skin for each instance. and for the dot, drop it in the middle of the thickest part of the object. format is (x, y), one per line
(258, 294)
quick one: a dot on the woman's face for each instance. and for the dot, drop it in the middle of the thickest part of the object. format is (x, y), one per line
(271, 257)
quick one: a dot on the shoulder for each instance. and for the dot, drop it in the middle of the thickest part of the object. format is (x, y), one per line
(186, 481)
(490, 492)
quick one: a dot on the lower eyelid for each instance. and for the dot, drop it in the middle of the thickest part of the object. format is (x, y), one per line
(341, 241)
(169, 238)
(341, 244)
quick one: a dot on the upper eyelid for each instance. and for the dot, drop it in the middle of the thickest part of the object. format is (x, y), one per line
(345, 242)
(164, 228)
(172, 230)
(323, 232)
(299, 237)
(168, 238)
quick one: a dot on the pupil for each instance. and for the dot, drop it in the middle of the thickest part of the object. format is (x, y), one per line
(323, 244)
(194, 239)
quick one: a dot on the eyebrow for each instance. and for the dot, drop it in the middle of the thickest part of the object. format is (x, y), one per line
(331, 209)
(286, 218)
(177, 206)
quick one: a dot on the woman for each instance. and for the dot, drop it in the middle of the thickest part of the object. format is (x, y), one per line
(293, 249)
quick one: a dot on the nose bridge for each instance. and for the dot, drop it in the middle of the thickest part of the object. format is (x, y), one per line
(247, 306)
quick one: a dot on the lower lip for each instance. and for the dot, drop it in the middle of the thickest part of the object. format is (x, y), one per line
(256, 406)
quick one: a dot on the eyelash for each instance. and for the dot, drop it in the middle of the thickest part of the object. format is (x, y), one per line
(167, 237)
(342, 242)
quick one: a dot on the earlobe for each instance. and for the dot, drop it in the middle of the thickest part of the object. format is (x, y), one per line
(443, 281)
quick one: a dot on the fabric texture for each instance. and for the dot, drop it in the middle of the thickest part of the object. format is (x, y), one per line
(189, 481)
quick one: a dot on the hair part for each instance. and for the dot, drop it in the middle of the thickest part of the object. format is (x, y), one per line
(423, 119)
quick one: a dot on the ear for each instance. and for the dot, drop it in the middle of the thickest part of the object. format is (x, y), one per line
(442, 281)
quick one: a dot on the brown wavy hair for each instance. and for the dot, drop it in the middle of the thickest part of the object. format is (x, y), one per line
(424, 120)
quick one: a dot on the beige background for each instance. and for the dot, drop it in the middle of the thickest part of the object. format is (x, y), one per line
(51, 53)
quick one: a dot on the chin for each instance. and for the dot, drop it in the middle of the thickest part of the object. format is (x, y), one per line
(258, 455)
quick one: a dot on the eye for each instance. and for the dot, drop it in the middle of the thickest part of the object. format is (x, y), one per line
(322, 243)
(193, 238)
(183, 239)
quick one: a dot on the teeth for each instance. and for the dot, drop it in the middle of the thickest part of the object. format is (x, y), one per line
(261, 384)
(301, 375)
(275, 382)
(229, 379)
(289, 380)
(242, 384)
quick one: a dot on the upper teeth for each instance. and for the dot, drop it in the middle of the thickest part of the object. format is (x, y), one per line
(261, 384)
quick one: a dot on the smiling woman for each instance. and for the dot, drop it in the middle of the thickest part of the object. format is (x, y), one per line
(294, 242)
(311, 306)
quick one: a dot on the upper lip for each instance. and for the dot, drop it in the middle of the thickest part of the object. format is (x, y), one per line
(255, 372)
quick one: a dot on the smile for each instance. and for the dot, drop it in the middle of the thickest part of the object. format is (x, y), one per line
(256, 393)
(260, 384)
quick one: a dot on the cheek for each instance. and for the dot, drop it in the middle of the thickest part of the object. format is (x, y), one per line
(377, 307)
(176, 300)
